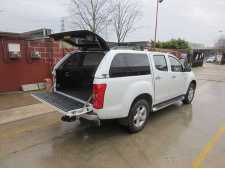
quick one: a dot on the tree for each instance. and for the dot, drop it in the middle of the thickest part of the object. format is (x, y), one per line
(126, 12)
(173, 44)
(92, 15)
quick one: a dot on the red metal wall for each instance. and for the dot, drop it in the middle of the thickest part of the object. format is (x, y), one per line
(14, 73)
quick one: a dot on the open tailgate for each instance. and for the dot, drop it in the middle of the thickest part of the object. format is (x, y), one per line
(66, 105)
(86, 40)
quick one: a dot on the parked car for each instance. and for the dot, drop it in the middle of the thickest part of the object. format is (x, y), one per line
(97, 83)
(211, 59)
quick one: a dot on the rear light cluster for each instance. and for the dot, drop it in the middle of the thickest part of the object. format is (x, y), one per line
(98, 95)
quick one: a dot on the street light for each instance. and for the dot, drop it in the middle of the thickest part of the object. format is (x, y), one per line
(220, 42)
(156, 20)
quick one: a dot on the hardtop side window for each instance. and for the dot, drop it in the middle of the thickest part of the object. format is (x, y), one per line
(129, 65)
(160, 63)
(176, 66)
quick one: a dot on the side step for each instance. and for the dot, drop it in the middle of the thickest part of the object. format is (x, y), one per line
(167, 103)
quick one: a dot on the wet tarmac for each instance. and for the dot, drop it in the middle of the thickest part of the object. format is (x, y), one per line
(178, 136)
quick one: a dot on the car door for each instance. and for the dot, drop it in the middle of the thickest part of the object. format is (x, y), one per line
(177, 77)
(162, 79)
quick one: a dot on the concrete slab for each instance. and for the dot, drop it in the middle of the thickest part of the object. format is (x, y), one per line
(18, 99)
(30, 87)
(20, 113)
(42, 86)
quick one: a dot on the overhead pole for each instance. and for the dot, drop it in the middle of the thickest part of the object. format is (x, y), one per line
(220, 36)
(156, 21)
(62, 24)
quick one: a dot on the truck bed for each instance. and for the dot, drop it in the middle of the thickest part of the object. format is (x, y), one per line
(82, 94)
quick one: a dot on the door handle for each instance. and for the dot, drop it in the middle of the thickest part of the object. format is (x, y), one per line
(174, 77)
(158, 78)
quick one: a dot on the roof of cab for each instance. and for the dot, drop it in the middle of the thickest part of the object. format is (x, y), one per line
(140, 52)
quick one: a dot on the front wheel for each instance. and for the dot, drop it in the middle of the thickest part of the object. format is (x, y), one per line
(190, 94)
(138, 116)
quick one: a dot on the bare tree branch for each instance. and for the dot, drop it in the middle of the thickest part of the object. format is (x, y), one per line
(124, 17)
(93, 15)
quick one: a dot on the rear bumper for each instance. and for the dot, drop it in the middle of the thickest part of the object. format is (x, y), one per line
(91, 116)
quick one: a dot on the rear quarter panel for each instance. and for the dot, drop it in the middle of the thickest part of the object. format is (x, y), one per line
(190, 76)
(122, 91)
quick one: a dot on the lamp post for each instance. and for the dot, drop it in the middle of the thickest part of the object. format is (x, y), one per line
(156, 20)
(220, 41)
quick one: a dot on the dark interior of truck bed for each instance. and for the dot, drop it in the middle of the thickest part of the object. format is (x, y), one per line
(75, 76)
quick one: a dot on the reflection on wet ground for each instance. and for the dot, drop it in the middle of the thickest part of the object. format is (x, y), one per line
(172, 138)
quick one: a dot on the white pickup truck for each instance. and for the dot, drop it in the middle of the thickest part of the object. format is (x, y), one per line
(97, 83)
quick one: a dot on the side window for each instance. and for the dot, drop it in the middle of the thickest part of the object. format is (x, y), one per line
(129, 65)
(176, 66)
(160, 63)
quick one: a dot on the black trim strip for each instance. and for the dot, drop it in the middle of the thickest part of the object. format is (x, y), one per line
(168, 101)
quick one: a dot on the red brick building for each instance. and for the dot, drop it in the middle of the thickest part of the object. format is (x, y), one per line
(27, 58)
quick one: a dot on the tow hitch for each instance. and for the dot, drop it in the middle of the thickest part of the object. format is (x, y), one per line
(84, 114)
(69, 119)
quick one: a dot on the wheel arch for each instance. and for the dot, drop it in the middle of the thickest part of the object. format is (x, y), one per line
(194, 82)
(145, 96)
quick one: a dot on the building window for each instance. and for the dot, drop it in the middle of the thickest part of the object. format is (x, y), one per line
(14, 50)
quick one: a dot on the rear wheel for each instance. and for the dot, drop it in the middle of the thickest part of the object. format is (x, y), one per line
(190, 94)
(138, 116)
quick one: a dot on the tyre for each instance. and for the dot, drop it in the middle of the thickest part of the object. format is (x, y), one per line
(138, 116)
(190, 94)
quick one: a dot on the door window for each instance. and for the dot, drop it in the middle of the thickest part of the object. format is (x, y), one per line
(176, 66)
(130, 65)
(160, 63)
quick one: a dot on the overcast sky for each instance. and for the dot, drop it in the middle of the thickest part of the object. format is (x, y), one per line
(194, 20)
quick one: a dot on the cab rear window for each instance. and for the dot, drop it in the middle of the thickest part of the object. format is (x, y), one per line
(129, 65)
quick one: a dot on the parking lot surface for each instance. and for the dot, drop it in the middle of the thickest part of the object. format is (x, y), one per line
(178, 136)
